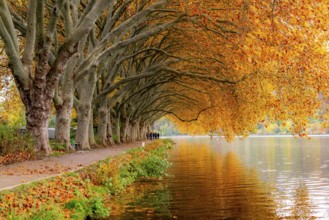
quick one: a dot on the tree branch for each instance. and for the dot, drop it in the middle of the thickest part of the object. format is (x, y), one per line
(179, 118)
(13, 56)
(28, 52)
(8, 24)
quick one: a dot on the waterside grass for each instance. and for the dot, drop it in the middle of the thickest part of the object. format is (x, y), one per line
(79, 195)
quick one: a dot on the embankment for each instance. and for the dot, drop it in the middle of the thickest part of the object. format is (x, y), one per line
(77, 195)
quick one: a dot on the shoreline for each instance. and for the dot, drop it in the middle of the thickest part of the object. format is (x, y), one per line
(250, 136)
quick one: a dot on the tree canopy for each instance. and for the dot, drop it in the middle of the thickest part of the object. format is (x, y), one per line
(279, 50)
(219, 67)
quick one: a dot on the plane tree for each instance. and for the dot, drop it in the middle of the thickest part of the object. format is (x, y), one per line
(38, 65)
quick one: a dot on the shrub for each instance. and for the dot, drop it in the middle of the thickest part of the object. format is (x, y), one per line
(115, 138)
(73, 132)
(15, 145)
(11, 140)
(153, 167)
(57, 146)
(83, 208)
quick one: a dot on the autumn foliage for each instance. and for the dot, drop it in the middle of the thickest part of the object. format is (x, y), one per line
(220, 67)
(276, 54)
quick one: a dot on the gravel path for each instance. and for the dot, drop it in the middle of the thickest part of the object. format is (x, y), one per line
(21, 173)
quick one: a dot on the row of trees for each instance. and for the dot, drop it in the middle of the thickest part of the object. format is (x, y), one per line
(123, 64)
(109, 60)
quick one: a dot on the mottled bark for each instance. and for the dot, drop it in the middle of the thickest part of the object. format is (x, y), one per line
(138, 129)
(38, 126)
(91, 133)
(109, 130)
(103, 122)
(124, 128)
(142, 132)
(86, 91)
(135, 131)
(127, 130)
(63, 121)
(82, 134)
(118, 129)
(64, 112)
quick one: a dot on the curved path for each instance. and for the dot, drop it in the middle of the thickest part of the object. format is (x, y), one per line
(21, 173)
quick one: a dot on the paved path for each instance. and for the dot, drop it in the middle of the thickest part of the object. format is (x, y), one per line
(21, 173)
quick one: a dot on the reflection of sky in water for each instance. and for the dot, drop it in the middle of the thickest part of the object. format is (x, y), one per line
(287, 162)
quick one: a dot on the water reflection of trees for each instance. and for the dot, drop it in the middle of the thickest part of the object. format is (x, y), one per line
(208, 185)
(218, 187)
(143, 200)
(245, 196)
(302, 208)
(221, 187)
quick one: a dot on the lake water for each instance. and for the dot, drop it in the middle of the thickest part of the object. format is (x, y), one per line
(254, 178)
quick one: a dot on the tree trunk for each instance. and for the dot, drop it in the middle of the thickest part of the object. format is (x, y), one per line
(144, 129)
(40, 132)
(86, 91)
(141, 132)
(109, 130)
(123, 131)
(103, 122)
(63, 102)
(37, 105)
(82, 134)
(118, 129)
(91, 133)
(135, 131)
(63, 118)
(138, 129)
(37, 124)
(127, 130)
(63, 121)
